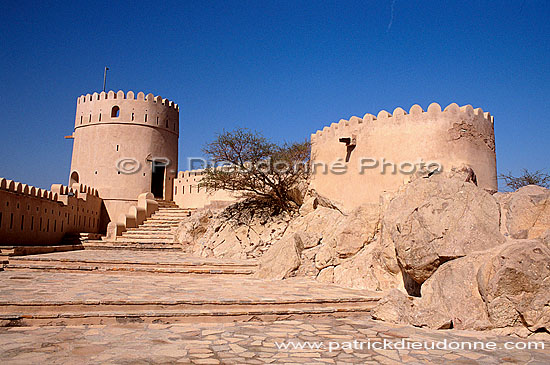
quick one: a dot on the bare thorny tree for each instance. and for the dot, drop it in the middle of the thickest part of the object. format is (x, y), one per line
(527, 177)
(245, 162)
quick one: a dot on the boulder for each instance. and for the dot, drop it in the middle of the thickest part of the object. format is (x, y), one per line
(451, 295)
(431, 221)
(281, 260)
(395, 307)
(191, 229)
(240, 231)
(368, 270)
(352, 232)
(325, 257)
(515, 284)
(326, 275)
(526, 212)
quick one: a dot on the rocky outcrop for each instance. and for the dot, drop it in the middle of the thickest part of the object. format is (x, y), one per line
(431, 221)
(281, 260)
(242, 230)
(505, 287)
(515, 284)
(467, 256)
(525, 212)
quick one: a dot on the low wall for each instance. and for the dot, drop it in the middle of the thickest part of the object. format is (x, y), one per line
(188, 193)
(34, 216)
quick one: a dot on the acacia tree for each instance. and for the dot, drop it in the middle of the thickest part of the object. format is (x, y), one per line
(526, 178)
(246, 162)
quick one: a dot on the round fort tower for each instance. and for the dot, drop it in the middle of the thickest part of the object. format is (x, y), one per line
(125, 145)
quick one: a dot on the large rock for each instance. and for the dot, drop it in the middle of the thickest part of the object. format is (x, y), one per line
(191, 229)
(354, 231)
(431, 221)
(281, 260)
(314, 225)
(372, 268)
(395, 307)
(515, 284)
(451, 295)
(525, 212)
(240, 231)
(506, 288)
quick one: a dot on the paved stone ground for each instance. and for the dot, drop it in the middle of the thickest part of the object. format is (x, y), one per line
(128, 256)
(248, 343)
(43, 287)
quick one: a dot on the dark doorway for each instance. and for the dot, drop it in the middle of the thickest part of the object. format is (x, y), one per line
(157, 180)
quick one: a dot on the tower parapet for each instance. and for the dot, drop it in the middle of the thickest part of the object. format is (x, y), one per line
(121, 108)
(369, 151)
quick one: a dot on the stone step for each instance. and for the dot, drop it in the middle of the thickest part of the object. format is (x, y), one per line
(165, 217)
(144, 240)
(146, 236)
(167, 226)
(172, 214)
(146, 268)
(109, 245)
(159, 228)
(173, 311)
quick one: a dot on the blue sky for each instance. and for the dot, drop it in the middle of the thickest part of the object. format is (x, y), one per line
(286, 68)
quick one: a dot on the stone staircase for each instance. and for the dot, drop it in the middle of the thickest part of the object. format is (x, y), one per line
(157, 232)
(130, 262)
(145, 277)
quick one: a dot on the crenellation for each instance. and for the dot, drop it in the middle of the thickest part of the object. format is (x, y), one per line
(354, 121)
(416, 109)
(401, 116)
(434, 108)
(383, 114)
(452, 108)
(399, 112)
(453, 136)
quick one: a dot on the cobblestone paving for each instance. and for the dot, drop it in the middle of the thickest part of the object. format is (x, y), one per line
(249, 343)
(42, 287)
(128, 256)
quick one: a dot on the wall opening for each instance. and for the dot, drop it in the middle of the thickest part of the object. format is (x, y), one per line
(115, 112)
(157, 178)
(75, 179)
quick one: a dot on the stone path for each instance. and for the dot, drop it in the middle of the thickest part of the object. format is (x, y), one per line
(251, 343)
(37, 297)
(123, 307)
(131, 261)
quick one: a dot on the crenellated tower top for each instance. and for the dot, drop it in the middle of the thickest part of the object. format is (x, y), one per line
(120, 108)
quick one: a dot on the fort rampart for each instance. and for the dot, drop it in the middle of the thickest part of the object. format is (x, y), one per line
(34, 216)
(189, 194)
(378, 152)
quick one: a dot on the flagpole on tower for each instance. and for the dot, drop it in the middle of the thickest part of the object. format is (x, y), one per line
(105, 77)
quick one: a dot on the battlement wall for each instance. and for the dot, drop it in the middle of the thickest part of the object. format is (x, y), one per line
(34, 216)
(120, 108)
(452, 137)
(399, 117)
(189, 194)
